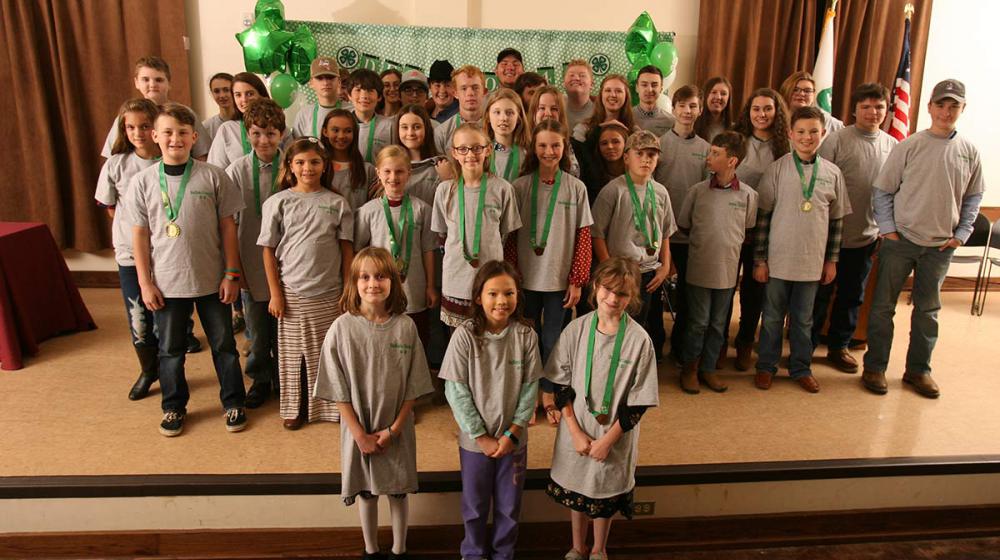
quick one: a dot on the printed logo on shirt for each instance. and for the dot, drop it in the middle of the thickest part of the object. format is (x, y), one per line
(738, 204)
(964, 158)
(516, 363)
(567, 203)
(824, 180)
(203, 195)
(328, 208)
(699, 155)
(401, 348)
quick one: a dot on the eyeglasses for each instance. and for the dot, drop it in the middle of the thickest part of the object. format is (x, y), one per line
(807, 91)
(464, 150)
(411, 90)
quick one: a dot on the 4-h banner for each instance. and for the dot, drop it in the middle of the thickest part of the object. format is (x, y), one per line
(379, 47)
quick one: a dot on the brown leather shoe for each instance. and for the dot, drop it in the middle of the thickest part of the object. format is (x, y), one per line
(923, 384)
(808, 383)
(875, 382)
(842, 359)
(721, 362)
(294, 423)
(744, 356)
(763, 379)
(712, 380)
(689, 378)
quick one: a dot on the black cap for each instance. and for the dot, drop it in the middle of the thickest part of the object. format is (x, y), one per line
(440, 71)
(510, 52)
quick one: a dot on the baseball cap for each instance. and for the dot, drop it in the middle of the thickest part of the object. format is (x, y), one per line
(323, 66)
(441, 71)
(510, 52)
(642, 140)
(414, 76)
(949, 88)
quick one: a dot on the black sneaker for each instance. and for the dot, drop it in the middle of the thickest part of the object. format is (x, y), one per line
(258, 394)
(172, 424)
(193, 344)
(236, 419)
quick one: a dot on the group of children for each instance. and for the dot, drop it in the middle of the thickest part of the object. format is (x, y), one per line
(359, 242)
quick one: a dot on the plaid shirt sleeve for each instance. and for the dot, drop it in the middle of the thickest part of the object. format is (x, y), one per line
(833, 239)
(762, 236)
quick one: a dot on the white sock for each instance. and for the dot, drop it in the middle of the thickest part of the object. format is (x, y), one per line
(399, 508)
(368, 509)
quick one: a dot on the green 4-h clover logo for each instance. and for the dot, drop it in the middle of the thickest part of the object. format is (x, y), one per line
(600, 64)
(348, 57)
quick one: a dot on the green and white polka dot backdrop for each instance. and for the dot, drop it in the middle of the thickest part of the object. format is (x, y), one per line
(379, 47)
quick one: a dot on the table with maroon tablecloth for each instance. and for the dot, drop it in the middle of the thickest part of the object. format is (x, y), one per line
(38, 298)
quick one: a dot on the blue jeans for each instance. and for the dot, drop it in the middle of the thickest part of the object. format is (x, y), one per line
(262, 364)
(140, 320)
(796, 300)
(852, 274)
(896, 259)
(678, 333)
(751, 298)
(545, 309)
(217, 320)
(708, 311)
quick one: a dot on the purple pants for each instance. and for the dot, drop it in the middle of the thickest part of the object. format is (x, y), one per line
(486, 480)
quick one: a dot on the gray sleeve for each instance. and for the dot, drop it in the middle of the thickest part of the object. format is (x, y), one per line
(967, 216)
(110, 140)
(510, 219)
(883, 208)
(346, 230)
(767, 188)
(645, 390)
(229, 196)
(136, 212)
(603, 209)
(891, 174)
(362, 229)
(270, 223)
(418, 383)
(217, 152)
(667, 226)
(438, 222)
(105, 193)
(332, 383)
(204, 142)
(684, 218)
(428, 239)
(559, 368)
(751, 208)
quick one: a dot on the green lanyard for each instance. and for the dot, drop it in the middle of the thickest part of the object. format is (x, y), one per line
(513, 164)
(168, 206)
(243, 138)
(371, 138)
(540, 247)
(405, 229)
(609, 386)
(316, 118)
(807, 188)
(255, 163)
(458, 121)
(641, 213)
(480, 206)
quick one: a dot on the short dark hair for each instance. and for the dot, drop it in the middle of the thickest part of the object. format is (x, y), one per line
(871, 90)
(687, 92)
(220, 76)
(527, 80)
(265, 113)
(734, 143)
(367, 80)
(154, 62)
(650, 69)
(182, 113)
(803, 113)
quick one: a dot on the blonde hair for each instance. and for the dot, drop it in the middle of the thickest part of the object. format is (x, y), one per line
(392, 151)
(350, 300)
(520, 134)
(457, 167)
(470, 71)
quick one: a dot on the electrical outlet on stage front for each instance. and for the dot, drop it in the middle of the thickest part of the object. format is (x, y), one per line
(644, 508)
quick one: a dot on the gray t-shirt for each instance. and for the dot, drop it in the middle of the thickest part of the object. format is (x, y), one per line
(615, 224)
(423, 183)
(112, 190)
(251, 254)
(356, 198)
(494, 368)
(305, 231)
(211, 126)
(681, 165)
(576, 117)
(713, 130)
(371, 229)
(200, 149)
(549, 272)
(635, 384)
(227, 146)
(659, 122)
(929, 176)
(500, 217)
(860, 156)
(192, 264)
(444, 132)
(760, 154)
(797, 243)
(383, 133)
(830, 122)
(375, 367)
(718, 220)
(501, 156)
(309, 124)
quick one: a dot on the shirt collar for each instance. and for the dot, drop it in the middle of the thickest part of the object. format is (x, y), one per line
(734, 184)
(645, 113)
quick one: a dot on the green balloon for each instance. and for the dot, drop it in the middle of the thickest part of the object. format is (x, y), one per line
(283, 88)
(264, 46)
(641, 37)
(272, 10)
(664, 57)
(301, 54)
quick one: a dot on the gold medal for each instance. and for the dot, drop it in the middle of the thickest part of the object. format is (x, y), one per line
(474, 263)
(650, 250)
(399, 265)
(173, 230)
(539, 251)
(807, 206)
(603, 418)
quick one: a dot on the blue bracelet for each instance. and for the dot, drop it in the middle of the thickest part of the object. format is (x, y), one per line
(510, 435)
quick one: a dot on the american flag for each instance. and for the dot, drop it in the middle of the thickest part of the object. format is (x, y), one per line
(899, 128)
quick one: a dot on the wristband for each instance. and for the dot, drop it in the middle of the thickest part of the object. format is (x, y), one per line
(391, 435)
(233, 270)
(510, 435)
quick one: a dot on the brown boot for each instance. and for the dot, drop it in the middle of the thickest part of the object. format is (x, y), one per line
(841, 359)
(689, 378)
(922, 383)
(713, 381)
(721, 362)
(744, 356)
(875, 382)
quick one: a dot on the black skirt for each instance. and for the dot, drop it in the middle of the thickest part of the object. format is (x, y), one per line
(593, 507)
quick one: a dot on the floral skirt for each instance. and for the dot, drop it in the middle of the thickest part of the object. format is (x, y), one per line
(593, 507)
(455, 311)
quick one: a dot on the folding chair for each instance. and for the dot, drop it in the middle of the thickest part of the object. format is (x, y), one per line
(980, 238)
(991, 259)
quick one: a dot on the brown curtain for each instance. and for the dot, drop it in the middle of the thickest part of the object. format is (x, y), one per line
(67, 66)
(869, 39)
(754, 43)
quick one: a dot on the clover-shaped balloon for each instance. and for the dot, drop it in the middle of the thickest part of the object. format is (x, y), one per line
(268, 47)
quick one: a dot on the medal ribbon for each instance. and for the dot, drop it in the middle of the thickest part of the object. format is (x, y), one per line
(256, 179)
(168, 206)
(480, 206)
(243, 138)
(548, 213)
(512, 167)
(371, 138)
(609, 386)
(316, 118)
(807, 188)
(641, 213)
(405, 229)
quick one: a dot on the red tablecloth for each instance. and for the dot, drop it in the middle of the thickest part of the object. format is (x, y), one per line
(38, 299)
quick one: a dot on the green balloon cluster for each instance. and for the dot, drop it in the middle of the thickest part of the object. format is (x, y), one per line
(643, 48)
(268, 47)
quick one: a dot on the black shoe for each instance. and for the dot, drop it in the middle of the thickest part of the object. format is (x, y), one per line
(172, 424)
(141, 387)
(258, 394)
(376, 556)
(403, 556)
(193, 344)
(236, 419)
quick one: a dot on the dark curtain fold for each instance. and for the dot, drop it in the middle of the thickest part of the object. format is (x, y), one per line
(68, 65)
(754, 43)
